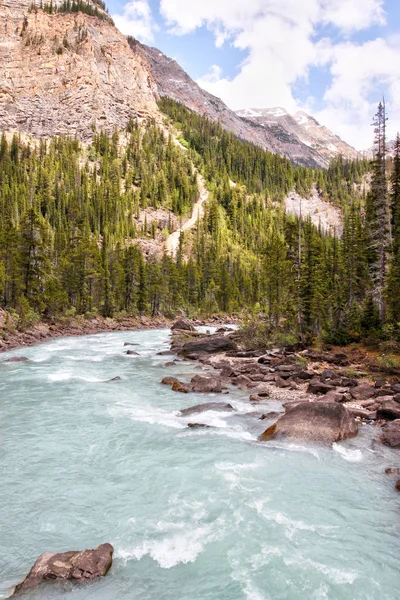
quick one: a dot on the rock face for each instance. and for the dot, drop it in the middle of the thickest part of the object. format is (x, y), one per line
(314, 421)
(75, 565)
(209, 345)
(64, 73)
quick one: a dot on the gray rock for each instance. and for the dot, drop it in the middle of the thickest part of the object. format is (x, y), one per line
(199, 408)
(208, 345)
(323, 422)
(81, 566)
(391, 434)
(206, 384)
(183, 325)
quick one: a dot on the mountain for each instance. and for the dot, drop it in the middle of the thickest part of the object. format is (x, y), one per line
(172, 81)
(302, 127)
(62, 73)
(66, 68)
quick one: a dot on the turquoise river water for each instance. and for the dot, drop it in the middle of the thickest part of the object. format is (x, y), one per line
(193, 515)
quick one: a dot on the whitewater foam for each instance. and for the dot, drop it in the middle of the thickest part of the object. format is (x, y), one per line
(347, 453)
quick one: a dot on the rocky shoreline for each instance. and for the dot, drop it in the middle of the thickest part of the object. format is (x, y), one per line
(331, 391)
(11, 339)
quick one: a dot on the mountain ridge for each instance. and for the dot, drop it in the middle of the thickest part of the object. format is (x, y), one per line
(304, 127)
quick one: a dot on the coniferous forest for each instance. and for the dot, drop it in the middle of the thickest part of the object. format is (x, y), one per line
(70, 241)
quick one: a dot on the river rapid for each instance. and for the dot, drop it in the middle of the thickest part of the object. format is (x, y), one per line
(193, 514)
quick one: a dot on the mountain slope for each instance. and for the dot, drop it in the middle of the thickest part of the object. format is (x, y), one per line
(172, 81)
(63, 73)
(302, 127)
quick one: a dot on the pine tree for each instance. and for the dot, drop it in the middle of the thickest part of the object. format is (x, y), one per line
(378, 213)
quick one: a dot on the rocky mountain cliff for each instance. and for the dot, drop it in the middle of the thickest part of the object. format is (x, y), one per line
(172, 81)
(63, 73)
(302, 127)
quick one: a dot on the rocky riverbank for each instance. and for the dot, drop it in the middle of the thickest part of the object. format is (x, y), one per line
(11, 337)
(365, 395)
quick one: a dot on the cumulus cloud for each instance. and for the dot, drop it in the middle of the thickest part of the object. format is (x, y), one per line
(136, 20)
(282, 46)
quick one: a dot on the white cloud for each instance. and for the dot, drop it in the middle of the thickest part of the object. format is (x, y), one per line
(279, 38)
(136, 20)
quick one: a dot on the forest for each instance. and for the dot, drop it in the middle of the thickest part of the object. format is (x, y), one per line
(70, 238)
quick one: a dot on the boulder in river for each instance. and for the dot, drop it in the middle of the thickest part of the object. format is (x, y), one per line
(183, 325)
(82, 565)
(392, 471)
(208, 345)
(389, 410)
(324, 422)
(170, 381)
(391, 434)
(198, 426)
(132, 353)
(199, 408)
(206, 384)
(178, 386)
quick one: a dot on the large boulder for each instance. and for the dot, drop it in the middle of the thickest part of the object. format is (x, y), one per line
(206, 384)
(318, 387)
(183, 325)
(391, 434)
(324, 422)
(82, 565)
(389, 410)
(211, 344)
(362, 392)
(199, 408)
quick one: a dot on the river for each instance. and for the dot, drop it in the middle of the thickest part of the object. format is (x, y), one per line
(193, 515)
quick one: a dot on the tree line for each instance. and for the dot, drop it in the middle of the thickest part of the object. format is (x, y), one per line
(70, 236)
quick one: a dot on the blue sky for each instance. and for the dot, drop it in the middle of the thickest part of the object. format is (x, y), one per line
(333, 58)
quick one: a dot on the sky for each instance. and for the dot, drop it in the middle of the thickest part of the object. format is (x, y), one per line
(334, 59)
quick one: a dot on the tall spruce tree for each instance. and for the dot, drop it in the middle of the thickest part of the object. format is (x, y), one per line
(378, 213)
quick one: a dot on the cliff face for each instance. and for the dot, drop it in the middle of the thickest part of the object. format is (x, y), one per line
(64, 73)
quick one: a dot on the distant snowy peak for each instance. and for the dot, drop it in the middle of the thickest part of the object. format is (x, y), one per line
(254, 113)
(301, 127)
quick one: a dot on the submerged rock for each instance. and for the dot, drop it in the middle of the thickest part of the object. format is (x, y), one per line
(206, 384)
(82, 565)
(114, 379)
(324, 422)
(130, 344)
(199, 408)
(392, 471)
(16, 359)
(198, 426)
(132, 353)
